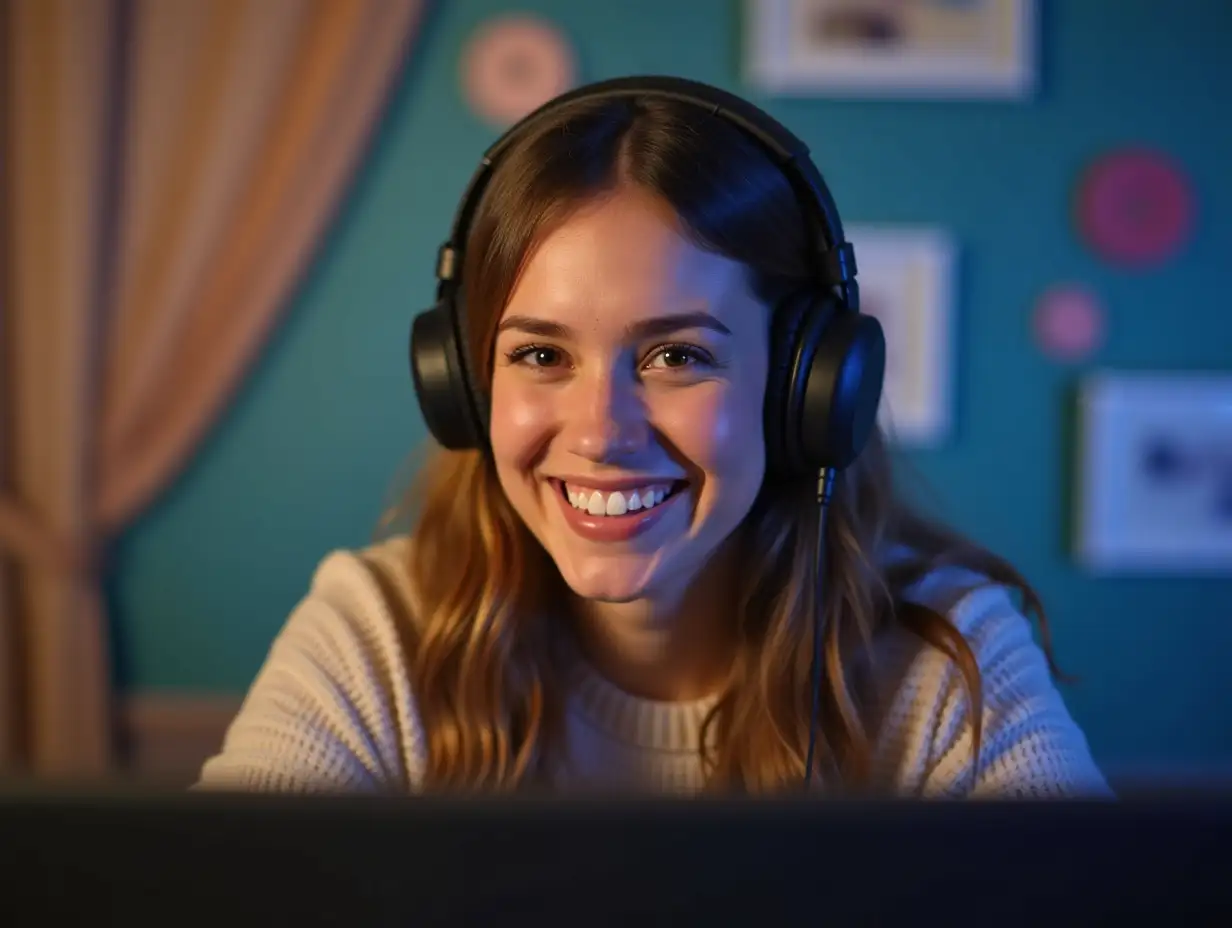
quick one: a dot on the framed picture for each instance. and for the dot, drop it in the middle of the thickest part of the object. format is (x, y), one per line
(1155, 473)
(906, 277)
(946, 49)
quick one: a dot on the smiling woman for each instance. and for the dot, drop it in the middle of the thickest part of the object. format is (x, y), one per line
(632, 393)
(647, 350)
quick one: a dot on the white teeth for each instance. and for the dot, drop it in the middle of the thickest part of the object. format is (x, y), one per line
(595, 507)
(617, 502)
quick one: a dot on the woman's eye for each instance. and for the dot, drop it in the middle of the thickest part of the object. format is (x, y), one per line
(545, 357)
(536, 356)
(676, 357)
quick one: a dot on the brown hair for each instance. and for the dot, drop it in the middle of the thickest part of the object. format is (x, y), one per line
(481, 660)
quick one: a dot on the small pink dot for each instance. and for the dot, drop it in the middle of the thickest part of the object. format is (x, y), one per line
(513, 65)
(1069, 322)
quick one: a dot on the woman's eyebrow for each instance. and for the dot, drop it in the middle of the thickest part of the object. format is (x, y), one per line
(644, 328)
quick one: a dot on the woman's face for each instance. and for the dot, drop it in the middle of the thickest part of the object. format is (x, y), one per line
(630, 370)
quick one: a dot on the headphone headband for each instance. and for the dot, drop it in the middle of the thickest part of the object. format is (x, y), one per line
(836, 258)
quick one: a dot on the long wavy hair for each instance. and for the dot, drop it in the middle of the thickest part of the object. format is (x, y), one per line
(487, 597)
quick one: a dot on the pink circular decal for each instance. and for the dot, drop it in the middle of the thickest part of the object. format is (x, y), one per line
(513, 65)
(1069, 322)
(1135, 207)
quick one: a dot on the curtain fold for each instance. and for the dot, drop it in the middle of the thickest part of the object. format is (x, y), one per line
(169, 169)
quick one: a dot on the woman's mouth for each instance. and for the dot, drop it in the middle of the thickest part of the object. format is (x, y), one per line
(616, 503)
(617, 515)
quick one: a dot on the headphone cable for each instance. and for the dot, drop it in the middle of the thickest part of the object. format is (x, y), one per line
(825, 489)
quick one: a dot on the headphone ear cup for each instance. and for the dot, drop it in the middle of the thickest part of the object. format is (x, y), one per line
(837, 408)
(826, 378)
(786, 327)
(442, 384)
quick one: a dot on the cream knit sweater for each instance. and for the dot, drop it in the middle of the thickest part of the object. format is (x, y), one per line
(332, 709)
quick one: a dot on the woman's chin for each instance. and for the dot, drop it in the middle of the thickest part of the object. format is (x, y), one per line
(609, 590)
(609, 582)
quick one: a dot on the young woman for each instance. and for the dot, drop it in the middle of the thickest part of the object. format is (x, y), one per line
(615, 589)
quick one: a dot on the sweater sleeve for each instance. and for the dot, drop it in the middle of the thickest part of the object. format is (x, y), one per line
(1031, 748)
(330, 708)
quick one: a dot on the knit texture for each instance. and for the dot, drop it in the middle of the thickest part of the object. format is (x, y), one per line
(332, 708)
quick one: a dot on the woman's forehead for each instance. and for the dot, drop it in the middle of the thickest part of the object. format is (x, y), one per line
(622, 261)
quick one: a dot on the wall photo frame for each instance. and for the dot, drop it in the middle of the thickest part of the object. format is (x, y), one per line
(907, 280)
(1155, 473)
(939, 49)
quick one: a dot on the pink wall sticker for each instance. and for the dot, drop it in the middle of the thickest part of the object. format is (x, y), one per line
(514, 64)
(1135, 207)
(1069, 322)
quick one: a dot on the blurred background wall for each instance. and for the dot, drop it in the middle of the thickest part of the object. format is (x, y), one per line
(306, 458)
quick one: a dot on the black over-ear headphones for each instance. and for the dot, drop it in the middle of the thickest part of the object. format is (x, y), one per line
(828, 360)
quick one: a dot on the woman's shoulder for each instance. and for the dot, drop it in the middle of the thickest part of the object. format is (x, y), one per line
(332, 706)
(1030, 744)
(982, 610)
(362, 578)
(910, 676)
(361, 599)
(971, 601)
(368, 587)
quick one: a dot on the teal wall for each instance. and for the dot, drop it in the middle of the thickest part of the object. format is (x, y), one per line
(305, 459)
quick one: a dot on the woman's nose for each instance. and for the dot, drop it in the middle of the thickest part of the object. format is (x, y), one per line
(605, 417)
